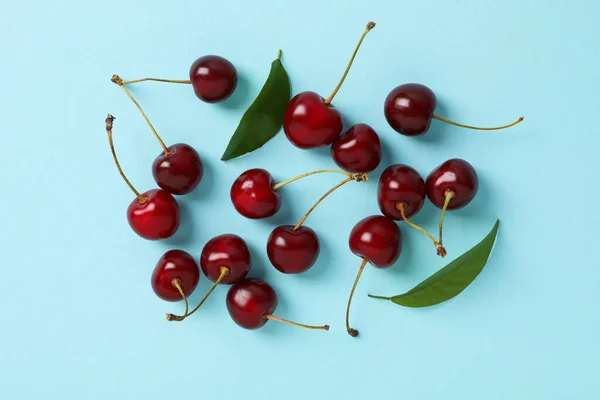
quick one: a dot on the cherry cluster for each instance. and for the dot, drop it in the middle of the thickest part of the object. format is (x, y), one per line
(310, 121)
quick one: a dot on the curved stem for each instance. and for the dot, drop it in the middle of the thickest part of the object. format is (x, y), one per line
(285, 321)
(170, 317)
(370, 26)
(449, 195)
(379, 297)
(351, 331)
(109, 125)
(116, 79)
(281, 184)
(448, 121)
(440, 249)
(333, 189)
(182, 81)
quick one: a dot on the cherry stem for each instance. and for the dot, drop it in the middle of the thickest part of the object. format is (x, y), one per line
(176, 282)
(449, 195)
(171, 317)
(354, 177)
(281, 184)
(351, 331)
(448, 121)
(182, 81)
(440, 249)
(117, 80)
(370, 26)
(109, 125)
(285, 321)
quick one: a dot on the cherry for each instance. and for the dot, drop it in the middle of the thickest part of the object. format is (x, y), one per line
(178, 169)
(175, 276)
(251, 303)
(409, 109)
(376, 239)
(358, 149)
(291, 250)
(451, 186)
(253, 194)
(225, 252)
(311, 121)
(153, 214)
(214, 78)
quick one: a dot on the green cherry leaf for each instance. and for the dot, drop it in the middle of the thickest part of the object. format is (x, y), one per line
(264, 118)
(450, 280)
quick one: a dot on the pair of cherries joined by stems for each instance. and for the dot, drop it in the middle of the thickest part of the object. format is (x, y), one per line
(225, 259)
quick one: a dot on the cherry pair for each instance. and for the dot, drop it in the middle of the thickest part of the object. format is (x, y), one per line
(225, 259)
(409, 109)
(401, 192)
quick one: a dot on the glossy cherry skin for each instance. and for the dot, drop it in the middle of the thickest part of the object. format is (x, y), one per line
(378, 239)
(358, 149)
(292, 251)
(253, 196)
(249, 300)
(214, 78)
(156, 218)
(454, 175)
(400, 183)
(310, 123)
(175, 264)
(180, 171)
(409, 109)
(230, 251)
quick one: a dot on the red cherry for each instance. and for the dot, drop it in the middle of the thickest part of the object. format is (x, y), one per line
(157, 217)
(251, 303)
(154, 214)
(292, 251)
(409, 109)
(358, 149)
(179, 171)
(253, 195)
(376, 239)
(398, 184)
(225, 251)
(175, 267)
(310, 123)
(456, 179)
(214, 78)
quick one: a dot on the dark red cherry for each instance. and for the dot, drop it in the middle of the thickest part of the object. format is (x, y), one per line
(229, 251)
(358, 149)
(292, 251)
(310, 123)
(253, 196)
(400, 183)
(214, 78)
(180, 171)
(377, 239)
(453, 176)
(409, 109)
(249, 302)
(179, 265)
(155, 218)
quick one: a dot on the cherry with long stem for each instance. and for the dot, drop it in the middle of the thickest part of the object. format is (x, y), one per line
(441, 251)
(285, 321)
(351, 331)
(109, 126)
(478, 128)
(370, 26)
(173, 317)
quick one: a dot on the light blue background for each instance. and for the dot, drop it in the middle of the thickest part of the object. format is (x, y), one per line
(79, 319)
